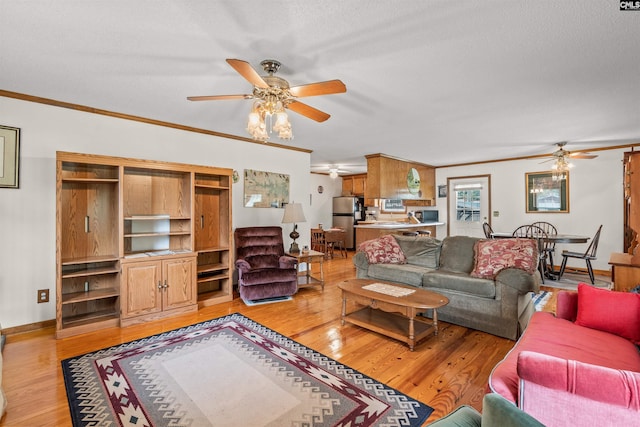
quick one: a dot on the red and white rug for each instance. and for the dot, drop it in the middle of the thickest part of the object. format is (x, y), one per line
(229, 371)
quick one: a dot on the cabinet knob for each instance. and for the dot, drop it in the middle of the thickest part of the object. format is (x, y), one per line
(165, 284)
(159, 284)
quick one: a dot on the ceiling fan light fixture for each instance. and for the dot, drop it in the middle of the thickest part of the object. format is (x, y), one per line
(560, 168)
(333, 173)
(264, 110)
(255, 124)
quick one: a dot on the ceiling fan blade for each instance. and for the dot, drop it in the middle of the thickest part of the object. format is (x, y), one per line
(321, 88)
(248, 72)
(218, 97)
(308, 111)
(583, 156)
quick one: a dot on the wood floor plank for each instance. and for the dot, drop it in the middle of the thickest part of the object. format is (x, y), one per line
(444, 371)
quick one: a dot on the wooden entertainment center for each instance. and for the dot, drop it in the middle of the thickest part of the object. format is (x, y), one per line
(138, 240)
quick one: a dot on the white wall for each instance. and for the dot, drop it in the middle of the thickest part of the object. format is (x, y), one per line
(322, 204)
(595, 197)
(27, 214)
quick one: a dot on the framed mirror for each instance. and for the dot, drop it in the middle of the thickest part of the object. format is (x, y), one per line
(413, 181)
(547, 192)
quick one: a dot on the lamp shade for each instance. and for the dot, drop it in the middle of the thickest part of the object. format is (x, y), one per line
(293, 213)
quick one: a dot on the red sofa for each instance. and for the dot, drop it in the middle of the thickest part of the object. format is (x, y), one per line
(565, 373)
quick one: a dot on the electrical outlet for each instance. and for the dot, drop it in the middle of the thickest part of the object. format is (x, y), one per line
(43, 295)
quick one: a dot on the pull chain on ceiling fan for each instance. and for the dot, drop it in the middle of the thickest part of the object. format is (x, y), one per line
(272, 96)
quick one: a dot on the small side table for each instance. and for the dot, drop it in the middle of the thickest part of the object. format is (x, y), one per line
(306, 279)
(625, 274)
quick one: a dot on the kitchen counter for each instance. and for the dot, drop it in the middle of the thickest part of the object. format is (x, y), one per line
(395, 225)
(368, 230)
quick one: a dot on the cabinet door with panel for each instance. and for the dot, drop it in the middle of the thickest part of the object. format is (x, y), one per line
(359, 185)
(178, 282)
(155, 286)
(141, 288)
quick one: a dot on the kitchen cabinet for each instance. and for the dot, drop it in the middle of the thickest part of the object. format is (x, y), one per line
(354, 185)
(152, 289)
(388, 178)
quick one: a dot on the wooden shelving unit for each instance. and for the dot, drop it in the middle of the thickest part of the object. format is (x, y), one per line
(88, 267)
(138, 239)
(213, 238)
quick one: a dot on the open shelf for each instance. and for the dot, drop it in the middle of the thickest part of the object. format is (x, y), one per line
(89, 295)
(208, 268)
(89, 318)
(84, 272)
(89, 259)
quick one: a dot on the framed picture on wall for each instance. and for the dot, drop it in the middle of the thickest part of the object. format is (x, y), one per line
(9, 156)
(265, 189)
(442, 191)
(547, 192)
(393, 205)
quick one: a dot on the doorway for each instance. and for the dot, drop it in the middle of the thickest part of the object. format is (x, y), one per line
(469, 205)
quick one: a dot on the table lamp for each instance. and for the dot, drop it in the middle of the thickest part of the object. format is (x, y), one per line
(292, 215)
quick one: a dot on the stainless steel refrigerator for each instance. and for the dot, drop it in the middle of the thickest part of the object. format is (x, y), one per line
(347, 211)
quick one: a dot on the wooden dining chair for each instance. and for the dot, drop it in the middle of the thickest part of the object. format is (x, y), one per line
(317, 240)
(535, 232)
(335, 240)
(488, 231)
(522, 231)
(588, 256)
(550, 249)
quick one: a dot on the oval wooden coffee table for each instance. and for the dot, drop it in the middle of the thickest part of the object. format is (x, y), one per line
(391, 309)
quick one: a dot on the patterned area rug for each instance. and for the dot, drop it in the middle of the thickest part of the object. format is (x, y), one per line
(229, 371)
(541, 299)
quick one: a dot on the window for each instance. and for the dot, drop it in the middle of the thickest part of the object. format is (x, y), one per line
(467, 202)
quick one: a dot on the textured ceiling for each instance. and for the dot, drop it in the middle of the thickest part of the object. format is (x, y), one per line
(435, 81)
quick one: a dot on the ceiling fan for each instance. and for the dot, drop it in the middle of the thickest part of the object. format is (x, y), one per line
(563, 155)
(273, 95)
(334, 170)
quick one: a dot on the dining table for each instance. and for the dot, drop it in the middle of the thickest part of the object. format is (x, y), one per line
(328, 240)
(556, 238)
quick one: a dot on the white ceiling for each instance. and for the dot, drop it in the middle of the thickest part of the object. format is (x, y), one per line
(434, 81)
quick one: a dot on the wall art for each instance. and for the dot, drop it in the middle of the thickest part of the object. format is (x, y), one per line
(265, 189)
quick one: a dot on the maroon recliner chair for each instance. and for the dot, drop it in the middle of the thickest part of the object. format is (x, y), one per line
(264, 271)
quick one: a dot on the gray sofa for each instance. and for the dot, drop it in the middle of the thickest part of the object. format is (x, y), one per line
(501, 306)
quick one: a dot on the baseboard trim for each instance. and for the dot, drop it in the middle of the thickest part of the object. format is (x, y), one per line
(29, 327)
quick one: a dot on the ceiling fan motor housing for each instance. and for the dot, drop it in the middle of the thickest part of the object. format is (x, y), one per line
(270, 66)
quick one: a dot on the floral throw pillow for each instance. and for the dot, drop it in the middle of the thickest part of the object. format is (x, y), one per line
(494, 255)
(383, 250)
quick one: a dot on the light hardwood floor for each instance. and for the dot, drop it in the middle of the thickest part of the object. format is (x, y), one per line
(444, 371)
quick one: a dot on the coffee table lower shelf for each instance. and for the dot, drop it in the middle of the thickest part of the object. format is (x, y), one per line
(392, 325)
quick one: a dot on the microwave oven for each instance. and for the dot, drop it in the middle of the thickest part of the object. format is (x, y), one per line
(429, 216)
